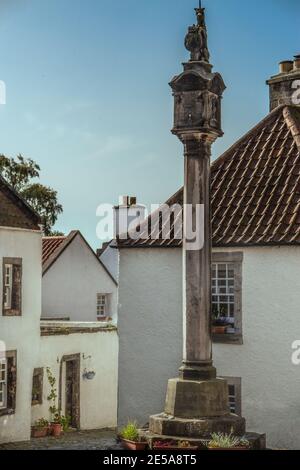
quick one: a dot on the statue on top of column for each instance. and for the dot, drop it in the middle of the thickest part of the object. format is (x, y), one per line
(196, 38)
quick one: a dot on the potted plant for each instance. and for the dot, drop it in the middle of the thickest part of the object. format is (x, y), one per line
(221, 441)
(186, 445)
(56, 427)
(130, 437)
(40, 428)
(220, 322)
(170, 444)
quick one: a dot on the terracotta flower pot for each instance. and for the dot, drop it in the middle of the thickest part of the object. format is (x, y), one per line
(37, 431)
(232, 448)
(219, 330)
(56, 429)
(132, 445)
(183, 449)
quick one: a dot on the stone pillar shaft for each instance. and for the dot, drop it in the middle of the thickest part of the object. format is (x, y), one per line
(197, 354)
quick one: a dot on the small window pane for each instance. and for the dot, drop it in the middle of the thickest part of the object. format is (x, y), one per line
(3, 383)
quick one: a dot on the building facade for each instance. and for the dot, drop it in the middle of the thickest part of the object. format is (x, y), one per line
(76, 284)
(82, 356)
(255, 191)
(20, 300)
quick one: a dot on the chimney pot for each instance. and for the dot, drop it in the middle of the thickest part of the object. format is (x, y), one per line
(286, 66)
(297, 62)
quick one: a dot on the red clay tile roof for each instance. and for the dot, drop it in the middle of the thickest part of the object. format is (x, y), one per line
(255, 188)
(53, 247)
(50, 245)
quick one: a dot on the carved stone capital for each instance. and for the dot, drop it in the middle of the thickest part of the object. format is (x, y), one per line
(197, 147)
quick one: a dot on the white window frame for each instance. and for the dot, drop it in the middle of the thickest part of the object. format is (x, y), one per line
(8, 285)
(3, 383)
(236, 260)
(226, 291)
(101, 305)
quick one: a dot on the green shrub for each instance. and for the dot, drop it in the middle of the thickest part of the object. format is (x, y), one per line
(130, 432)
(41, 423)
(226, 441)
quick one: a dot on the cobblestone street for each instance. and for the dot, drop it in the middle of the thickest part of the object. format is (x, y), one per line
(80, 440)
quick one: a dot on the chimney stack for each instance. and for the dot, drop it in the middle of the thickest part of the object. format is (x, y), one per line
(297, 62)
(283, 85)
(127, 215)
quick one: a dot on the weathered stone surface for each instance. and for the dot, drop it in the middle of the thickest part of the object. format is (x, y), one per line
(197, 399)
(167, 425)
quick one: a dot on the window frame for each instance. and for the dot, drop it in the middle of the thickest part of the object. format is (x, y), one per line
(236, 382)
(236, 259)
(12, 310)
(102, 305)
(3, 360)
(7, 285)
(11, 387)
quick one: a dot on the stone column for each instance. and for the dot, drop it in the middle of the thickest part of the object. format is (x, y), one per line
(197, 402)
(197, 354)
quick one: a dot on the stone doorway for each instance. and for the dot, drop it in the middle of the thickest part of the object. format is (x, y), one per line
(70, 389)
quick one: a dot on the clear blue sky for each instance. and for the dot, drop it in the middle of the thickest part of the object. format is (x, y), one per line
(88, 95)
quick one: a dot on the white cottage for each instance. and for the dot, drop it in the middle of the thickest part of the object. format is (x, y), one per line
(76, 284)
(81, 355)
(20, 300)
(255, 283)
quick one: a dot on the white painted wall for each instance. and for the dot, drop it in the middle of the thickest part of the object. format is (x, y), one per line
(99, 353)
(110, 259)
(70, 286)
(150, 327)
(22, 333)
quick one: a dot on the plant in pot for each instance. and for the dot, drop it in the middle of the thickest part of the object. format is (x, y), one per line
(56, 427)
(170, 444)
(130, 437)
(220, 322)
(221, 441)
(40, 428)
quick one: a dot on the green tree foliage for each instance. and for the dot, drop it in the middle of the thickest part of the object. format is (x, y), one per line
(19, 173)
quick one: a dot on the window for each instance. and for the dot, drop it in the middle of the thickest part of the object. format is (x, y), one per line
(12, 286)
(223, 289)
(227, 297)
(101, 305)
(8, 383)
(235, 394)
(3, 383)
(37, 386)
(8, 269)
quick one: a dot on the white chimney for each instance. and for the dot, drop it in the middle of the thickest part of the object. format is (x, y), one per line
(127, 215)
